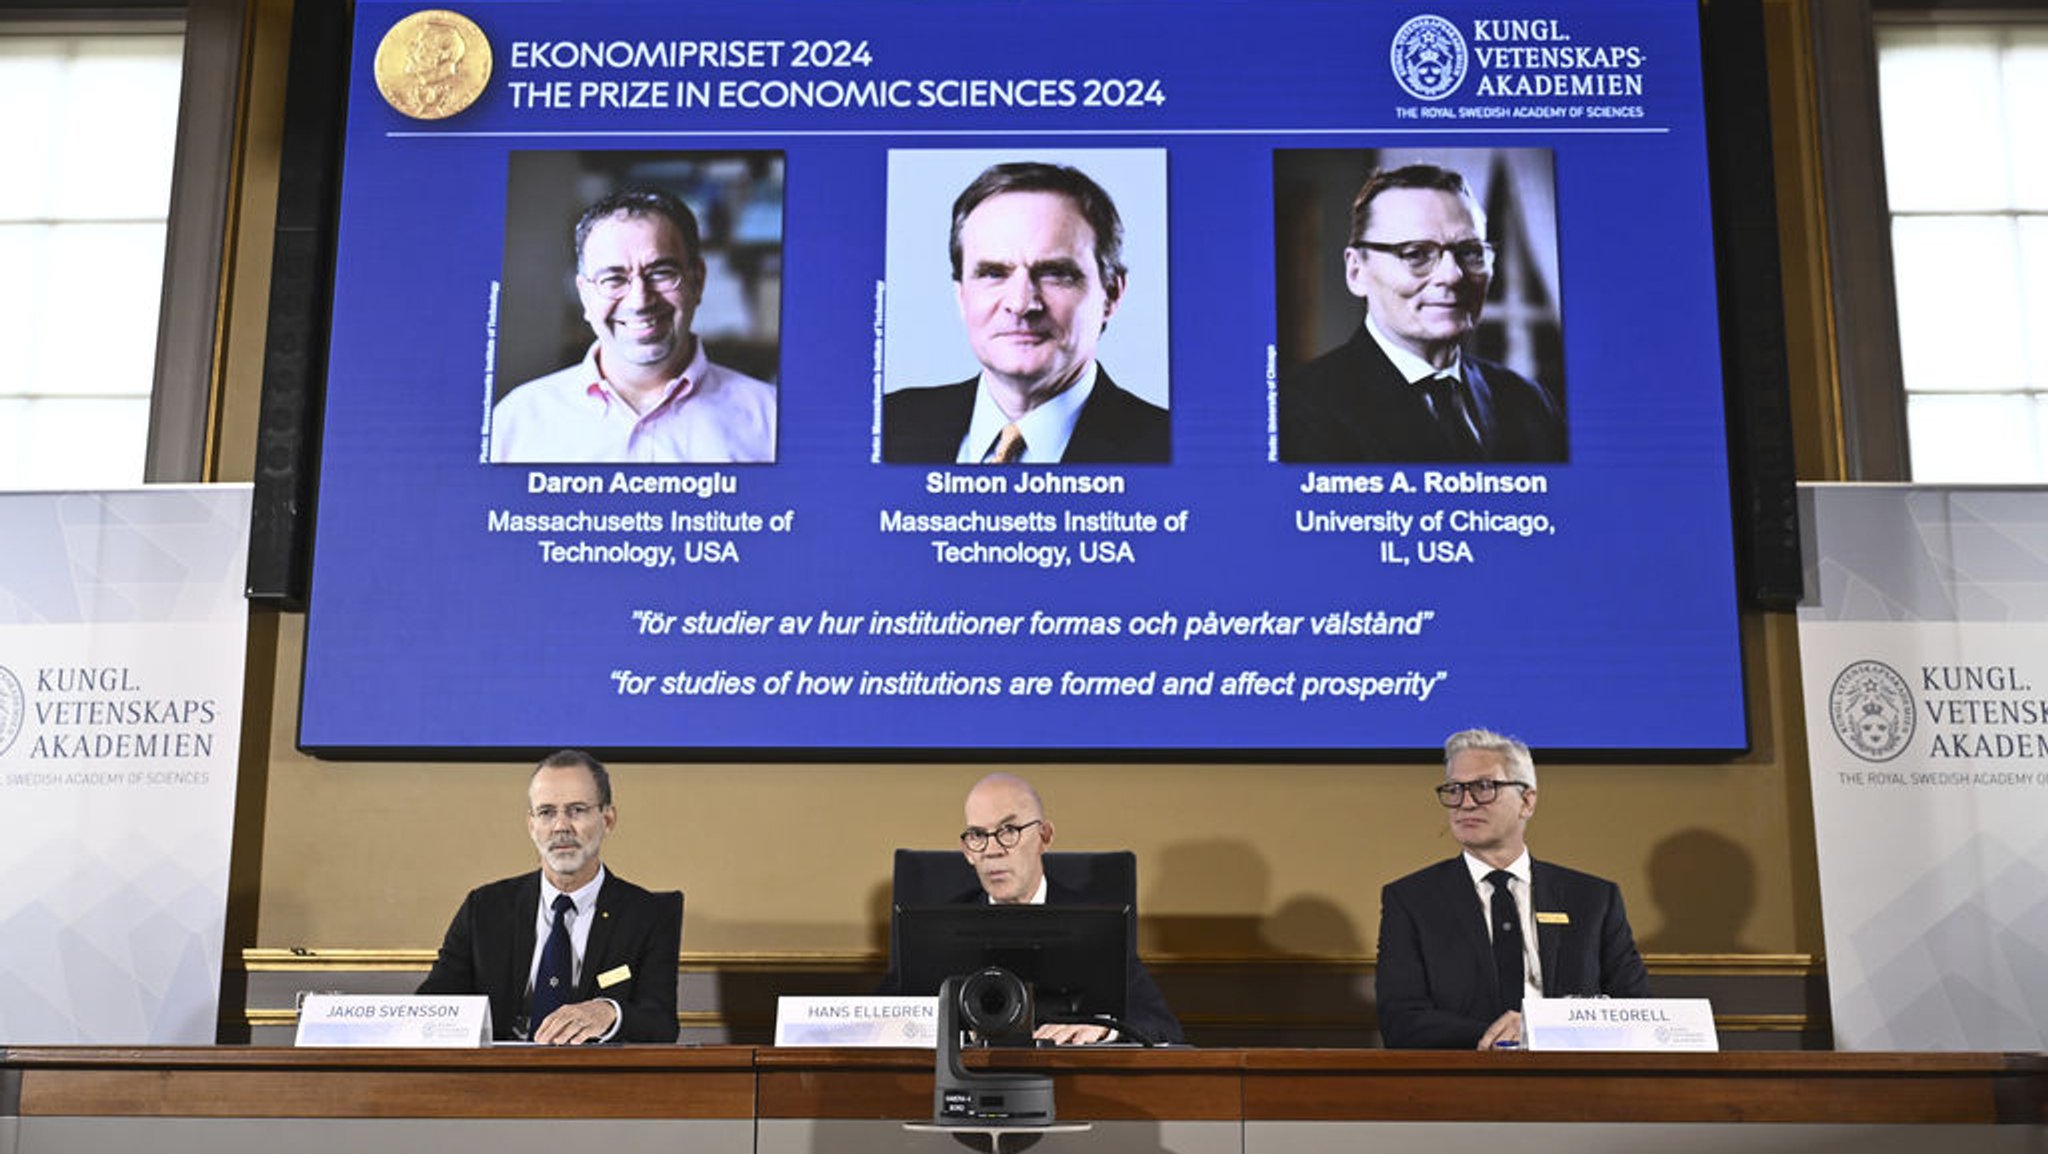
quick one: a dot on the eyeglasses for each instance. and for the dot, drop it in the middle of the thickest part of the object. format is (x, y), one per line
(1453, 793)
(1421, 256)
(616, 283)
(576, 810)
(1005, 835)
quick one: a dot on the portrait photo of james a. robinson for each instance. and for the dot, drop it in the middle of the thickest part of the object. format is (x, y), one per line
(1418, 309)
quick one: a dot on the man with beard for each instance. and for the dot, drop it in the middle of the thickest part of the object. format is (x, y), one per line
(571, 952)
(645, 392)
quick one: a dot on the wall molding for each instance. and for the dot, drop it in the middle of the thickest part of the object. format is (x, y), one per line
(300, 959)
(1762, 1001)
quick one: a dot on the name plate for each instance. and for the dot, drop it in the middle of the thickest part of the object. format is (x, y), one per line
(857, 1021)
(454, 1021)
(1658, 1024)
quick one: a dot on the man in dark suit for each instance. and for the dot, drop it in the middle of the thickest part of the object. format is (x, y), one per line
(1037, 253)
(1005, 841)
(1456, 955)
(1402, 388)
(570, 953)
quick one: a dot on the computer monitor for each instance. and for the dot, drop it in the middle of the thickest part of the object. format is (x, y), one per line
(1075, 957)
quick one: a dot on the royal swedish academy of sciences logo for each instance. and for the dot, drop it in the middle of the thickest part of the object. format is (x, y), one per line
(12, 706)
(1429, 57)
(1872, 710)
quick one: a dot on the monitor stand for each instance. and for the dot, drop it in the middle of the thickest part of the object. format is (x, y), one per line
(998, 1139)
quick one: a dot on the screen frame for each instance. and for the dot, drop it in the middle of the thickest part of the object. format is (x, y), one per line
(1753, 367)
(1080, 948)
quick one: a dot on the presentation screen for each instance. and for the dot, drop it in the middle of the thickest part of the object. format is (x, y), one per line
(867, 378)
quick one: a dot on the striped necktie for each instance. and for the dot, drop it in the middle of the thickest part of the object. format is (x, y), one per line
(1009, 446)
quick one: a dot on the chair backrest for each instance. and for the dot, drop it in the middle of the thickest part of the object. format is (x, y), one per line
(927, 877)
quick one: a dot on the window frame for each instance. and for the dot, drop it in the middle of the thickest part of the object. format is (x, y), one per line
(1869, 375)
(186, 380)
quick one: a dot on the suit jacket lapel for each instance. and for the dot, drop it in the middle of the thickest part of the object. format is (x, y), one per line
(1099, 428)
(1391, 412)
(1059, 895)
(597, 949)
(1549, 938)
(1459, 894)
(954, 410)
(519, 958)
(1479, 395)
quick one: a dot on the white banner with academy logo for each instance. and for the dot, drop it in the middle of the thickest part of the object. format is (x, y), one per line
(1924, 644)
(122, 632)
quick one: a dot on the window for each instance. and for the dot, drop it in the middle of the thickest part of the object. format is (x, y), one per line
(87, 137)
(1965, 109)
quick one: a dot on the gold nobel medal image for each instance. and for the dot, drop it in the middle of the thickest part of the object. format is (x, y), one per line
(433, 64)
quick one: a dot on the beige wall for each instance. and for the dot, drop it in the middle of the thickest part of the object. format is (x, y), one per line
(1236, 860)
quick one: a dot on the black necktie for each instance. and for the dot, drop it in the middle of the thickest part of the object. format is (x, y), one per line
(1450, 417)
(1507, 940)
(552, 985)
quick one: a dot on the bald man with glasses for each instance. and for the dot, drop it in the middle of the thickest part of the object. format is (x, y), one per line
(645, 392)
(1404, 388)
(1005, 841)
(1463, 942)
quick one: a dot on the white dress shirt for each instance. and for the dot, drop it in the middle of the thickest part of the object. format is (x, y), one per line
(580, 920)
(1046, 429)
(709, 415)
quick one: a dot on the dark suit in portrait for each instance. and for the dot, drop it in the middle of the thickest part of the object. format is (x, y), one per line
(924, 426)
(1145, 1008)
(1436, 983)
(1352, 405)
(489, 950)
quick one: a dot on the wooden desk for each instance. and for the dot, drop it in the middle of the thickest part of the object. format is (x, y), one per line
(1806, 1087)
(60, 1100)
(505, 1100)
(854, 1102)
